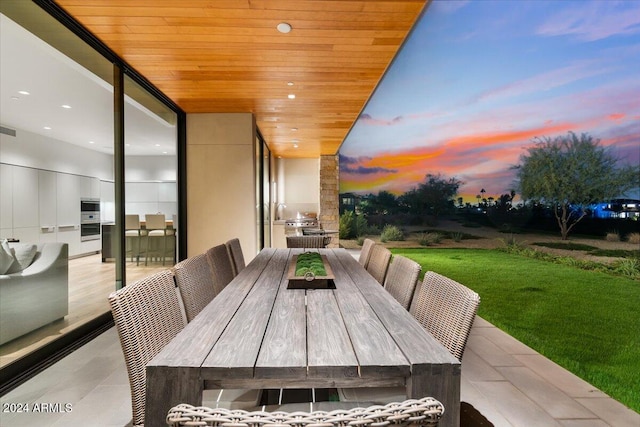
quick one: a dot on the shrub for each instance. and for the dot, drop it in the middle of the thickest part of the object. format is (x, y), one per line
(361, 226)
(360, 240)
(629, 267)
(345, 228)
(569, 246)
(612, 236)
(512, 244)
(634, 238)
(391, 233)
(427, 239)
(457, 236)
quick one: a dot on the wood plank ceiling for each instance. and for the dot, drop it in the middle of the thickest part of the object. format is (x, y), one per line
(213, 56)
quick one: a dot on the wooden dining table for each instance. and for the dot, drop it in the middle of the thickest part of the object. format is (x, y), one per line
(258, 334)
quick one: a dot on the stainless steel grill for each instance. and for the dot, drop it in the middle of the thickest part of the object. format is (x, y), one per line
(294, 226)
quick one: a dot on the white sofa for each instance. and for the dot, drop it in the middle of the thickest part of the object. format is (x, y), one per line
(37, 295)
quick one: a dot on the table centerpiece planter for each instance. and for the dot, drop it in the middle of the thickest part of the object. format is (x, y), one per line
(310, 270)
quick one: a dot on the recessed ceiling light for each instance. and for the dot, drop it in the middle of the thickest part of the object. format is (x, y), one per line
(291, 96)
(157, 145)
(295, 145)
(127, 145)
(66, 106)
(164, 152)
(23, 92)
(283, 27)
(294, 129)
(15, 98)
(289, 83)
(295, 140)
(91, 142)
(47, 127)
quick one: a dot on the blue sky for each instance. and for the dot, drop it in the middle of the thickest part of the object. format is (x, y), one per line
(477, 81)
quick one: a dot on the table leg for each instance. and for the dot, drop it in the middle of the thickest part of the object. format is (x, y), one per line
(441, 382)
(168, 387)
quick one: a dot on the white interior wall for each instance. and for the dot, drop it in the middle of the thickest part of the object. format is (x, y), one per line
(39, 152)
(298, 186)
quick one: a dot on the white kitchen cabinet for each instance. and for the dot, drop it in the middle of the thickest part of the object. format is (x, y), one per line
(6, 200)
(47, 195)
(89, 187)
(25, 198)
(68, 205)
(107, 202)
(68, 211)
(167, 192)
(141, 192)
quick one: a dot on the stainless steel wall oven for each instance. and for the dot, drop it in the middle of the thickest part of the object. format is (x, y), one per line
(89, 219)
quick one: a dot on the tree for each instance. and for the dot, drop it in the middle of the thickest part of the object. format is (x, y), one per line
(569, 173)
(434, 196)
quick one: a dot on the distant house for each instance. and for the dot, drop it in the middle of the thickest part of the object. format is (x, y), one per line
(348, 202)
(617, 208)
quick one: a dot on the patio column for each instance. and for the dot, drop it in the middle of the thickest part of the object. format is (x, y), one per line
(329, 195)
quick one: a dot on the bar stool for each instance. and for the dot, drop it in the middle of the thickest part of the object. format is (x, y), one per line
(133, 235)
(156, 225)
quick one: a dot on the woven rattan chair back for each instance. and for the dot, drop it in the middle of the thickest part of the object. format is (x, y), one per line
(221, 267)
(305, 242)
(367, 245)
(402, 278)
(423, 412)
(195, 282)
(447, 309)
(147, 316)
(237, 258)
(379, 262)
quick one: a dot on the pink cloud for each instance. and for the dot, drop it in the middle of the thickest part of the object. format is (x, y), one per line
(546, 81)
(590, 21)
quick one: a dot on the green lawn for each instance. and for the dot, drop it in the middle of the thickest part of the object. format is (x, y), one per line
(587, 322)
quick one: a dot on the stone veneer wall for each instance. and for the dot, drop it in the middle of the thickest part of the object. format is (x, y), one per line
(329, 196)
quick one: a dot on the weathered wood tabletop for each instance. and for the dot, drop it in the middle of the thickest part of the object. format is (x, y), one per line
(258, 334)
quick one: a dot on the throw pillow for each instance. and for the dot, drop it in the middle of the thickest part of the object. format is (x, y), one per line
(24, 255)
(6, 257)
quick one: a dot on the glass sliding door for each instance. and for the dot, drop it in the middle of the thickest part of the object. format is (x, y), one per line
(151, 192)
(267, 195)
(67, 181)
(56, 167)
(263, 193)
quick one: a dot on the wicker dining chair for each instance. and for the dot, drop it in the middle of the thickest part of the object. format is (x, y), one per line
(237, 258)
(447, 309)
(379, 262)
(195, 282)
(314, 241)
(147, 316)
(367, 245)
(221, 266)
(402, 278)
(413, 412)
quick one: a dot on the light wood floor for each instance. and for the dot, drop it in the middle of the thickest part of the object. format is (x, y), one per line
(90, 283)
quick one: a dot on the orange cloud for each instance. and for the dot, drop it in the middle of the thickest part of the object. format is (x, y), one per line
(512, 136)
(617, 117)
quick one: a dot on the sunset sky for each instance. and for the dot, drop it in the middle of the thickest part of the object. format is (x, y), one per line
(477, 81)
